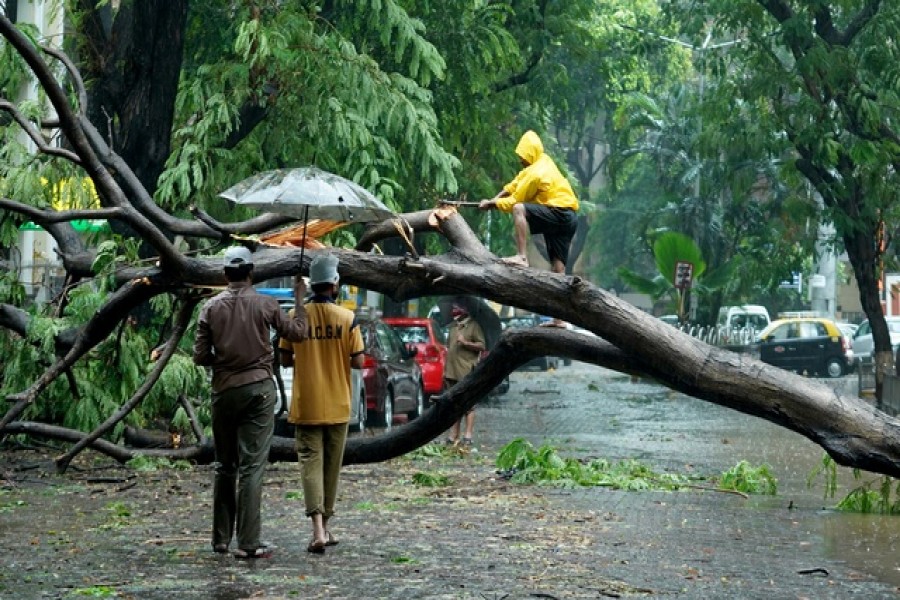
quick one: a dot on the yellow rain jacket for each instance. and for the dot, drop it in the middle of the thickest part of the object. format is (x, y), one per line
(540, 182)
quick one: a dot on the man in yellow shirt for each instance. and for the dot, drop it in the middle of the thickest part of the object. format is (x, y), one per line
(320, 403)
(540, 199)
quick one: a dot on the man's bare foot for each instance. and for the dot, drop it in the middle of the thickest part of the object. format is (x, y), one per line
(518, 260)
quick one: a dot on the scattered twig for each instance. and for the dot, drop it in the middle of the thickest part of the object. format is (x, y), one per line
(712, 489)
(110, 479)
(161, 541)
(814, 571)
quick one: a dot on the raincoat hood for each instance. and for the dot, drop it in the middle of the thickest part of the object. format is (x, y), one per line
(530, 147)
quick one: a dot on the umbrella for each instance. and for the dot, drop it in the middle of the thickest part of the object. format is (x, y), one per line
(479, 310)
(306, 192)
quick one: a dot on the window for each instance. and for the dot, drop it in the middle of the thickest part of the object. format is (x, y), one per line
(414, 334)
(782, 332)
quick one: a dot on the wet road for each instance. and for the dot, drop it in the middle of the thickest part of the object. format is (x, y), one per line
(111, 531)
(588, 411)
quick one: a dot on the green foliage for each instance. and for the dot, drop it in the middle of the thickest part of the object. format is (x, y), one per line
(430, 479)
(181, 377)
(880, 494)
(426, 452)
(748, 479)
(145, 463)
(96, 591)
(6, 507)
(11, 290)
(669, 249)
(828, 469)
(111, 255)
(544, 466)
(119, 516)
(352, 98)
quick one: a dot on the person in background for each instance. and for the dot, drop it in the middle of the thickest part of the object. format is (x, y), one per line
(233, 338)
(541, 200)
(466, 342)
(320, 404)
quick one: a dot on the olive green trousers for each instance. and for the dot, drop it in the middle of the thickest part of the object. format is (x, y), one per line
(242, 420)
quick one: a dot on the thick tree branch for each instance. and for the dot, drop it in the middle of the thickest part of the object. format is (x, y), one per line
(47, 216)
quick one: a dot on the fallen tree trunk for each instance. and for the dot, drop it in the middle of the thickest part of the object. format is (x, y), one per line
(853, 432)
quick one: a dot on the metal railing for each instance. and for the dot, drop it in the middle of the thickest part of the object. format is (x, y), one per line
(739, 339)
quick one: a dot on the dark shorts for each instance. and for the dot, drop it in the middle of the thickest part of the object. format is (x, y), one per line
(558, 226)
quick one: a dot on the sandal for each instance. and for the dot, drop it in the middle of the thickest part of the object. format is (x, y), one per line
(330, 539)
(261, 552)
(316, 547)
(466, 441)
(220, 548)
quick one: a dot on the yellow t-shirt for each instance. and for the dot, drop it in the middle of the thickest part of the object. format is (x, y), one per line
(321, 394)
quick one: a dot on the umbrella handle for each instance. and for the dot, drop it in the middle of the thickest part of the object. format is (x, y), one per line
(303, 243)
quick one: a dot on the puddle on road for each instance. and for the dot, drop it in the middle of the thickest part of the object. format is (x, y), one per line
(608, 415)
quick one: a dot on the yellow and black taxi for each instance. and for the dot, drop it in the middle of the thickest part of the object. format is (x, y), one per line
(810, 345)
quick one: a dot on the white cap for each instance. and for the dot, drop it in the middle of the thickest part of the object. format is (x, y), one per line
(323, 269)
(237, 256)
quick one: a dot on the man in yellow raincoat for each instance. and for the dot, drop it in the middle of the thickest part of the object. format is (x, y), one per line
(540, 199)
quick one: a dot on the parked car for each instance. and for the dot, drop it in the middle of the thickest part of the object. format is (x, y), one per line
(431, 350)
(848, 329)
(357, 402)
(862, 341)
(541, 363)
(805, 345)
(391, 376)
(751, 316)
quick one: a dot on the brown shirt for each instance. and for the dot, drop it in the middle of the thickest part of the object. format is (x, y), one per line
(460, 359)
(234, 335)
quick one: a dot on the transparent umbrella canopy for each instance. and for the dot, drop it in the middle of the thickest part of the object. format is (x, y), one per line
(308, 192)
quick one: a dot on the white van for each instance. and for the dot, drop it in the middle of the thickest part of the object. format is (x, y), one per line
(746, 316)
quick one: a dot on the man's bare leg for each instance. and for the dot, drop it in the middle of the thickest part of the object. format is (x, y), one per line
(470, 425)
(557, 266)
(520, 226)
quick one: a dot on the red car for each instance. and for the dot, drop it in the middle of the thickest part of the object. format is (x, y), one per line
(431, 352)
(391, 376)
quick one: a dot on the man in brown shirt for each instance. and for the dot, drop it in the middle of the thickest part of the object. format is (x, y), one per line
(234, 338)
(465, 343)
